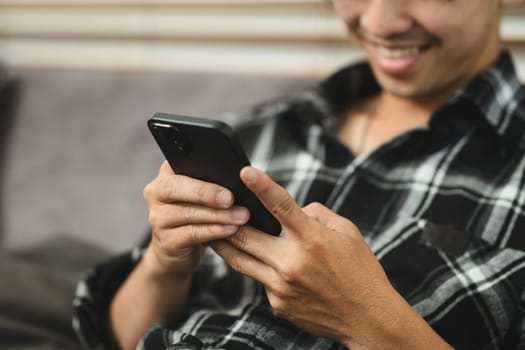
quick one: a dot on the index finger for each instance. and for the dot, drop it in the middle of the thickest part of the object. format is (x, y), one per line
(274, 197)
(169, 187)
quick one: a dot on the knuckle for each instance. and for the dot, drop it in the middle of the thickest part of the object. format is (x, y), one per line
(281, 289)
(190, 213)
(290, 272)
(315, 206)
(146, 193)
(153, 219)
(201, 193)
(313, 209)
(240, 239)
(278, 304)
(193, 234)
(236, 263)
(172, 189)
(215, 215)
(159, 239)
(315, 245)
(149, 191)
(283, 207)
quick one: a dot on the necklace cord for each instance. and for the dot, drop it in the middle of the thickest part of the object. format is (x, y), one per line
(370, 116)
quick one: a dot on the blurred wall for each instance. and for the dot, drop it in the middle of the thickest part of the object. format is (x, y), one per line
(283, 37)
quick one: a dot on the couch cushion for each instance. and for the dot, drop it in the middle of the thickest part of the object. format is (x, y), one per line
(8, 102)
(80, 153)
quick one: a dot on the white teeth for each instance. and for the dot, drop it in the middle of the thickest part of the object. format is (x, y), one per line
(399, 53)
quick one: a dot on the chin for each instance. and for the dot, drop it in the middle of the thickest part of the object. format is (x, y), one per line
(401, 89)
(412, 87)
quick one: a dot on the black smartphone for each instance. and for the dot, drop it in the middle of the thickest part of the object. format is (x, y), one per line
(206, 149)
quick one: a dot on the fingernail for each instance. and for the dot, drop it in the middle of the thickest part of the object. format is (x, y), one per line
(250, 176)
(230, 228)
(223, 198)
(240, 215)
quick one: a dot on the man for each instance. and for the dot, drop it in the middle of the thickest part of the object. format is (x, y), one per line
(418, 162)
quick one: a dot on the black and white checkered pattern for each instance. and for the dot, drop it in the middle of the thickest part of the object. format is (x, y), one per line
(442, 206)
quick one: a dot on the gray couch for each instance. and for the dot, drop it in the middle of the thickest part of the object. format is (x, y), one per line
(76, 153)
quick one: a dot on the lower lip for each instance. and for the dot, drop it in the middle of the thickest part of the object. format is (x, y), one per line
(396, 66)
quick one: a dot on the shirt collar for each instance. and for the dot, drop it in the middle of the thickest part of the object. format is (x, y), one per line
(326, 103)
(499, 98)
(495, 95)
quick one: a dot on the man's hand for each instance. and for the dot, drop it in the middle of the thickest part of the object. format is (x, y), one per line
(320, 274)
(184, 214)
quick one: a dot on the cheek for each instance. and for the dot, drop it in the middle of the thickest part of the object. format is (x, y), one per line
(461, 38)
(348, 10)
(459, 21)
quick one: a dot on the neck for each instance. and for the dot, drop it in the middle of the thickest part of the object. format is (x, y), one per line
(382, 118)
(404, 109)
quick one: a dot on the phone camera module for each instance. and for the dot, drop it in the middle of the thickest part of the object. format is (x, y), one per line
(172, 135)
(179, 146)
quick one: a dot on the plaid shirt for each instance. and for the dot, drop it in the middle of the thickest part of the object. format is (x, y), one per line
(442, 206)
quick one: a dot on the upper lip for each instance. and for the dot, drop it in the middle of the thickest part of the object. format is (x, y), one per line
(401, 42)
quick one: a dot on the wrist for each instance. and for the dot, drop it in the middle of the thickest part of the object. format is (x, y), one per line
(412, 331)
(159, 270)
(394, 324)
(155, 295)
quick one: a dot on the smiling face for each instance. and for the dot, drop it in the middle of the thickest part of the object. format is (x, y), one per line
(424, 48)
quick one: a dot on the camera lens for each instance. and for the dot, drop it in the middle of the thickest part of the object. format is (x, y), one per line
(179, 145)
(171, 135)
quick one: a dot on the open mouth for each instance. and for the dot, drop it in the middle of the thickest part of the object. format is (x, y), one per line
(397, 54)
(398, 60)
(401, 52)
(398, 46)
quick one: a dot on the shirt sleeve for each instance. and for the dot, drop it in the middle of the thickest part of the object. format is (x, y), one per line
(94, 294)
(520, 324)
(211, 286)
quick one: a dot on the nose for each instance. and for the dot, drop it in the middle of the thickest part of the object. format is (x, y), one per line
(385, 18)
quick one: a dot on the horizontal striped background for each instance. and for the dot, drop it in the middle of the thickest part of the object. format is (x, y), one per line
(281, 37)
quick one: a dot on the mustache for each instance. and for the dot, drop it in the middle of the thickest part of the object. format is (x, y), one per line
(413, 37)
